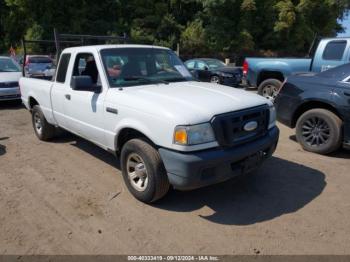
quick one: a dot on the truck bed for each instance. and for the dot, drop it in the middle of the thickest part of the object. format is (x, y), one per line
(287, 66)
(42, 90)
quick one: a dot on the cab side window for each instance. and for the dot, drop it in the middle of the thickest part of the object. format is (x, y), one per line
(85, 65)
(201, 65)
(62, 68)
(190, 65)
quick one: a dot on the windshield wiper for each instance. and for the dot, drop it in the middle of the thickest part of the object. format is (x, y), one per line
(144, 79)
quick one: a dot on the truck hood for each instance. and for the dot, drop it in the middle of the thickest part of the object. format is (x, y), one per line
(10, 76)
(192, 102)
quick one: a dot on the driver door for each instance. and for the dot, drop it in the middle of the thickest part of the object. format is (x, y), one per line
(84, 109)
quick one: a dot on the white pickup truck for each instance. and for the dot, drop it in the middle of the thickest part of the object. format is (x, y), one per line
(141, 103)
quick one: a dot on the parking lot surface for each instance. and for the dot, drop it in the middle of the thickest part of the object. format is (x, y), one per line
(68, 197)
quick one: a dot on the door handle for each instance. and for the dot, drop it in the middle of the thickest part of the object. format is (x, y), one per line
(347, 93)
(67, 96)
(112, 110)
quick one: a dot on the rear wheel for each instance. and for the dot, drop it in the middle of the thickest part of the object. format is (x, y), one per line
(43, 130)
(143, 171)
(319, 131)
(269, 88)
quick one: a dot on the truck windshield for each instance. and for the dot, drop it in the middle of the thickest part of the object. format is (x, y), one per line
(136, 66)
(8, 65)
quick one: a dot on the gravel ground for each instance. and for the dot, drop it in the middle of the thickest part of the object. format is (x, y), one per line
(68, 197)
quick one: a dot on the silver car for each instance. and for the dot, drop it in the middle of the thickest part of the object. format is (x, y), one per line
(39, 66)
(10, 73)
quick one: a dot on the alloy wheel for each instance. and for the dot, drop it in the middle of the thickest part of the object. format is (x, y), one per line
(316, 131)
(137, 172)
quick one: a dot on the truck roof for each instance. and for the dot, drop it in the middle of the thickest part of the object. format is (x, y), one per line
(101, 47)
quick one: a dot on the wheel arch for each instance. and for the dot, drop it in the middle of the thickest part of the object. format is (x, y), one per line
(128, 133)
(32, 102)
(270, 74)
(313, 105)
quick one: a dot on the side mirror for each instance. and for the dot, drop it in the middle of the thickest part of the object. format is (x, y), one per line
(206, 68)
(84, 83)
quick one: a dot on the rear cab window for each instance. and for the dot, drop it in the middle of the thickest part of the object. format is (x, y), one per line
(62, 68)
(334, 50)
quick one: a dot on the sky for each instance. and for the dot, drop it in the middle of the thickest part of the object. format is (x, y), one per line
(346, 25)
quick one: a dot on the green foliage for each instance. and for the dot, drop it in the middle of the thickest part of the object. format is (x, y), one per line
(214, 27)
(193, 38)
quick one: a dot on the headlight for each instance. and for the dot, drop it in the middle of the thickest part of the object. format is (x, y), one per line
(272, 118)
(194, 135)
(226, 75)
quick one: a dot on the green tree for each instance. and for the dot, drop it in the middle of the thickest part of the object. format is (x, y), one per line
(213, 27)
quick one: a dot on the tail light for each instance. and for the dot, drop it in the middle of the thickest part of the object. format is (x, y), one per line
(245, 67)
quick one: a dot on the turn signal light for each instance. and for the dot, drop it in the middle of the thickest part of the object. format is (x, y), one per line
(180, 136)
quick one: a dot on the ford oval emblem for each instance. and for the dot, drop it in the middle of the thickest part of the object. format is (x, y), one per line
(250, 126)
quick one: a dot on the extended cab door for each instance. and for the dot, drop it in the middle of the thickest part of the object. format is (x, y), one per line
(58, 90)
(84, 109)
(331, 53)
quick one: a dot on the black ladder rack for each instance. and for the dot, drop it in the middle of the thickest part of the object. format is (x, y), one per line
(70, 40)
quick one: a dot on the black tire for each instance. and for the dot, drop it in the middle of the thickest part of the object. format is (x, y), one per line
(43, 130)
(319, 131)
(157, 183)
(215, 79)
(269, 88)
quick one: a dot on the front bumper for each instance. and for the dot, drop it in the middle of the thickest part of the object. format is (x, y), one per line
(188, 171)
(12, 93)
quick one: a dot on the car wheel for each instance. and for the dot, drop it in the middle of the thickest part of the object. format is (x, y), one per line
(143, 171)
(43, 130)
(215, 79)
(319, 131)
(269, 88)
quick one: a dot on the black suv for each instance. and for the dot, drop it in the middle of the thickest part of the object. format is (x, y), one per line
(318, 106)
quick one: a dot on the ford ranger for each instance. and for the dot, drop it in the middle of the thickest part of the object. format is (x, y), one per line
(268, 73)
(141, 103)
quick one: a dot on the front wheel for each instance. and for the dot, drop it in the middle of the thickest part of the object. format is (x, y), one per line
(269, 88)
(319, 131)
(143, 171)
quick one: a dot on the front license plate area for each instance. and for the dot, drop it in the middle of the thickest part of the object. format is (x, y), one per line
(252, 162)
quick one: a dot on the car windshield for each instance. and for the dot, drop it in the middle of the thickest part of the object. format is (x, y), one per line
(136, 66)
(214, 63)
(8, 65)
